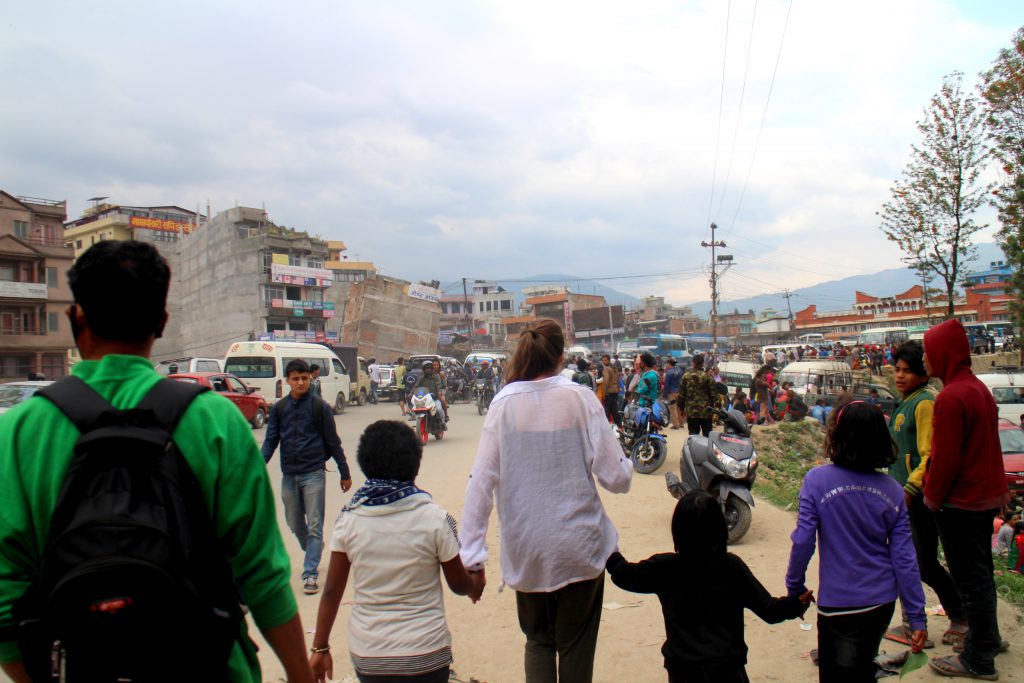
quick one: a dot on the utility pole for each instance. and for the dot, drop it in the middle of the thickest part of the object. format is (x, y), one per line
(465, 308)
(787, 294)
(726, 260)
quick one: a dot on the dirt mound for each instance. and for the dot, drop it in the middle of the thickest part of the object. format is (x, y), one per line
(786, 451)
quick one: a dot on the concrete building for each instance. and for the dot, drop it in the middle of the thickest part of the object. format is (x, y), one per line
(241, 277)
(162, 226)
(560, 306)
(35, 335)
(387, 318)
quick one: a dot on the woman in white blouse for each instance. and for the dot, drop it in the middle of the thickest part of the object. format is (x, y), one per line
(543, 442)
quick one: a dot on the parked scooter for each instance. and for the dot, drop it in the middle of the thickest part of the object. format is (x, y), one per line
(427, 414)
(641, 438)
(484, 390)
(725, 465)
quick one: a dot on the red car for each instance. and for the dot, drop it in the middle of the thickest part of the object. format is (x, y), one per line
(1011, 438)
(253, 406)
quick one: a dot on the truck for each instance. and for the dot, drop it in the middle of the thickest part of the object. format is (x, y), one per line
(359, 375)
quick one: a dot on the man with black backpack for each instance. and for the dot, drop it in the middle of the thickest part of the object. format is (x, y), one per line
(303, 424)
(136, 515)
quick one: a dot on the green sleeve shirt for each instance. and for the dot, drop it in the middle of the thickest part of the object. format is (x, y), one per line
(36, 444)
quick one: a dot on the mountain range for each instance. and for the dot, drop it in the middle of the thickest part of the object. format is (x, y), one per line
(833, 295)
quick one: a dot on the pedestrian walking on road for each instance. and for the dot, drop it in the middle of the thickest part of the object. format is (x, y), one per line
(391, 539)
(964, 485)
(303, 424)
(164, 605)
(543, 442)
(673, 382)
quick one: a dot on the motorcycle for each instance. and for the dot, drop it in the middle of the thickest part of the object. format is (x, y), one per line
(641, 438)
(460, 389)
(427, 415)
(484, 391)
(725, 465)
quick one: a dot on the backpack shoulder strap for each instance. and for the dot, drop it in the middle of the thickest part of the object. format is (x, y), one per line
(169, 399)
(319, 405)
(279, 409)
(79, 402)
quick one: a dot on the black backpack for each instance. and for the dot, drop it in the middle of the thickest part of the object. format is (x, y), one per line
(134, 584)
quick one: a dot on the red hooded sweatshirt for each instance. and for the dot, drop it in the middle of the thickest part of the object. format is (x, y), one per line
(966, 466)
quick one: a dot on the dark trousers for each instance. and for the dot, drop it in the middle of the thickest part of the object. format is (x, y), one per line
(437, 676)
(698, 425)
(967, 539)
(733, 672)
(848, 644)
(925, 533)
(562, 623)
(611, 408)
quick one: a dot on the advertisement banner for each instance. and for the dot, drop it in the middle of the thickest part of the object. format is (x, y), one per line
(158, 224)
(300, 272)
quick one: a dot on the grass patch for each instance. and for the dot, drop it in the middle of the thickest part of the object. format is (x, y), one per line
(785, 452)
(1010, 587)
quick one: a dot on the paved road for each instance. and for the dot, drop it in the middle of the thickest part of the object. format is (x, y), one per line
(487, 642)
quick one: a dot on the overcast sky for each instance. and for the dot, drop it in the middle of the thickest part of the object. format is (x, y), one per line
(500, 139)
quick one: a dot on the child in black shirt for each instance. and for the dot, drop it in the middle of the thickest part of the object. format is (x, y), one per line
(703, 591)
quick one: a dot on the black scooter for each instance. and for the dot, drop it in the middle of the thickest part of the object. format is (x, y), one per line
(725, 465)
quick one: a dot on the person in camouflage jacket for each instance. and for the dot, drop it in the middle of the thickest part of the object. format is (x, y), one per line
(697, 397)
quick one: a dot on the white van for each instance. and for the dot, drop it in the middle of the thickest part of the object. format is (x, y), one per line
(1008, 390)
(176, 365)
(262, 363)
(579, 352)
(737, 374)
(478, 357)
(826, 376)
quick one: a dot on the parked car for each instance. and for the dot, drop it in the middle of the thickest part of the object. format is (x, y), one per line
(1011, 438)
(176, 366)
(387, 390)
(253, 405)
(1008, 390)
(887, 400)
(13, 393)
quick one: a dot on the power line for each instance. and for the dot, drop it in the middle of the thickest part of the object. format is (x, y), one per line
(721, 101)
(739, 113)
(764, 116)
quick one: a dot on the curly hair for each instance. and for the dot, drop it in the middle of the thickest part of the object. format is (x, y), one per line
(389, 449)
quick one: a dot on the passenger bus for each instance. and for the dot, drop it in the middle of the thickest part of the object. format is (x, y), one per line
(664, 345)
(999, 330)
(883, 336)
(701, 343)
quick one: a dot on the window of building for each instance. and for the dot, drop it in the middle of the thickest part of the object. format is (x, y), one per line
(21, 229)
(298, 326)
(268, 260)
(51, 278)
(293, 293)
(294, 260)
(506, 305)
(271, 292)
(78, 244)
(54, 365)
(276, 326)
(7, 273)
(15, 366)
(315, 262)
(52, 321)
(316, 295)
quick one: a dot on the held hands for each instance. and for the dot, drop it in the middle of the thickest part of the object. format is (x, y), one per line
(806, 599)
(346, 484)
(917, 640)
(479, 582)
(322, 665)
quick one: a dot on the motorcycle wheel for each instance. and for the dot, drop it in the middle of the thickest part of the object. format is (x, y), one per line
(737, 518)
(480, 406)
(648, 455)
(424, 434)
(439, 434)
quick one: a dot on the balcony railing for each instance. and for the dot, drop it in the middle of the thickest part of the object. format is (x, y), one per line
(44, 241)
(19, 331)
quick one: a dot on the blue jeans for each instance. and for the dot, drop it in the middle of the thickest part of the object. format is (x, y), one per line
(303, 498)
(374, 398)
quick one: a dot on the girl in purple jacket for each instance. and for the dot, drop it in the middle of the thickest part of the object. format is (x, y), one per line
(867, 558)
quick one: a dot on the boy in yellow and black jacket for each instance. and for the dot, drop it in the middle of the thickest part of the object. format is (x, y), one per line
(911, 429)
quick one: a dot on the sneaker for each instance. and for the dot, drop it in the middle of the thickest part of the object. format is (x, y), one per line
(309, 586)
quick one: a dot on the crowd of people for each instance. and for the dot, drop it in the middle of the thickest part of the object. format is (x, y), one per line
(142, 519)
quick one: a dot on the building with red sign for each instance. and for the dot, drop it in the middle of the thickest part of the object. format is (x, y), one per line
(159, 225)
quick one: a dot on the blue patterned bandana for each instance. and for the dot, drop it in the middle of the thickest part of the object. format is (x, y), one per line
(382, 492)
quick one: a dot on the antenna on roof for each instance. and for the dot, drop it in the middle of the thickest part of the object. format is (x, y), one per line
(96, 201)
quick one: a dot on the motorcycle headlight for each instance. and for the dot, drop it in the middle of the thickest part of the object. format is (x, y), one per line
(736, 469)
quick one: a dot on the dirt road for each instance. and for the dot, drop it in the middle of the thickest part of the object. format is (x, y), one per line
(487, 642)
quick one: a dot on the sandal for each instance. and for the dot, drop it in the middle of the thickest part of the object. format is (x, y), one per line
(955, 636)
(1004, 645)
(952, 667)
(901, 634)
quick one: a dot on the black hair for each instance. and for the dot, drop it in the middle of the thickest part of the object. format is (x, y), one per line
(389, 449)
(647, 359)
(314, 367)
(912, 353)
(121, 287)
(582, 365)
(672, 362)
(858, 438)
(698, 360)
(698, 527)
(295, 365)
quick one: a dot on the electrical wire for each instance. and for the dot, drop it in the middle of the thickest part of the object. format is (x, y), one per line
(764, 116)
(739, 113)
(721, 102)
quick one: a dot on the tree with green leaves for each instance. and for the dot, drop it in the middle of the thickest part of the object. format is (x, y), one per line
(930, 213)
(1002, 88)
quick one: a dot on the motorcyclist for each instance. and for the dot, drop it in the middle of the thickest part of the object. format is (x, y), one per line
(487, 374)
(432, 381)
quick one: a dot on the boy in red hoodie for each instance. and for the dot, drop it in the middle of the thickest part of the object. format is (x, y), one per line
(964, 485)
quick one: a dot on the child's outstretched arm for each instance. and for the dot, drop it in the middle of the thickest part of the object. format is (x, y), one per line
(463, 582)
(638, 577)
(760, 602)
(337, 578)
